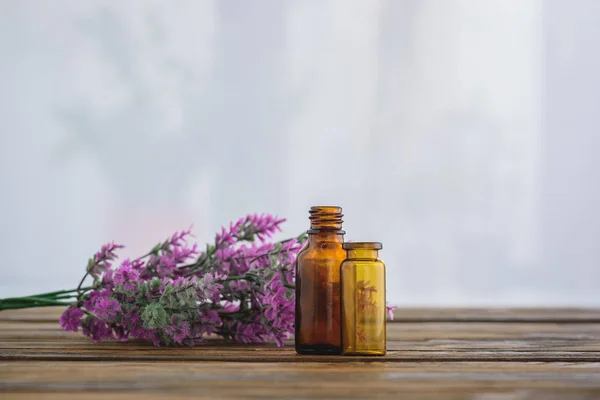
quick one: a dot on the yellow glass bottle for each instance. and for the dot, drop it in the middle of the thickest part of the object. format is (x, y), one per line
(318, 284)
(363, 300)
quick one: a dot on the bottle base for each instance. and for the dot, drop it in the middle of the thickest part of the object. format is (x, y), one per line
(376, 353)
(318, 349)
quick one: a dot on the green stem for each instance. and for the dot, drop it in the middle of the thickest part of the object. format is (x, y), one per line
(64, 297)
(28, 302)
(81, 283)
(43, 299)
(32, 304)
(202, 259)
(28, 305)
(145, 255)
(60, 292)
(235, 278)
(53, 295)
(34, 299)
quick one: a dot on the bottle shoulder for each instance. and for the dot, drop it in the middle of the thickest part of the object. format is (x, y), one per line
(302, 250)
(323, 250)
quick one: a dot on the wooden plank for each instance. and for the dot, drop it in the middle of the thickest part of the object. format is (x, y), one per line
(439, 341)
(41, 314)
(432, 353)
(403, 314)
(406, 332)
(427, 380)
(399, 331)
(437, 344)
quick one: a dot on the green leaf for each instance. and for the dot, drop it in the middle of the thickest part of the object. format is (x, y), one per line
(156, 248)
(155, 284)
(154, 316)
(302, 237)
(90, 265)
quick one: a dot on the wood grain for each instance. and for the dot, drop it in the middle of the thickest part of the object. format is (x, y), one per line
(307, 380)
(405, 314)
(433, 354)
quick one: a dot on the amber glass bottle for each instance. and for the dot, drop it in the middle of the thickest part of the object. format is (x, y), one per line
(318, 284)
(363, 300)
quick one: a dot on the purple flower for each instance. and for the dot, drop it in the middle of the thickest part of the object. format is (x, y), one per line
(97, 330)
(107, 279)
(70, 320)
(154, 336)
(121, 333)
(207, 322)
(227, 237)
(107, 252)
(262, 226)
(211, 317)
(139, 332)
(223, 260)
(107, 309)
(180, 238)
(278, 308)
(265, 225)
(166, 266)
(390, 311)
(177, 250)
(239, 288)
(131, 319)
(249, 333)
(100, 262)
(178, 330)
(126, 276)
(137, 264)
(182, 254)
(210, 287)
(279, 339)
(229, 307)
(93, 297)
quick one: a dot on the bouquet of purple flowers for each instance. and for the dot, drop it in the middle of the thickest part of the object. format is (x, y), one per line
(241, 287)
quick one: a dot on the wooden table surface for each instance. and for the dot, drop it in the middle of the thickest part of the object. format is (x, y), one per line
(478, 354)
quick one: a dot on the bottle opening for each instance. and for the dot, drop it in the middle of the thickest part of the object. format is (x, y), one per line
(325, 210)
(362, 246)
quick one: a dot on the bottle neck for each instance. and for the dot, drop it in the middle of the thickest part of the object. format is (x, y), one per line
(363, 254)
(325, 236)
(326, 220)
(325, 225)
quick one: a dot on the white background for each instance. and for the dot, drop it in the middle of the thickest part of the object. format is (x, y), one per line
(463, 134)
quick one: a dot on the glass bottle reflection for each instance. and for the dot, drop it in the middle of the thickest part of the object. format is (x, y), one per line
(363, 300)
(318, 329)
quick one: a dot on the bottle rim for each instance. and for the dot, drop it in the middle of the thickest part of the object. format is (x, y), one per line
(326, 209)
(325, 213)
(362, 245)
